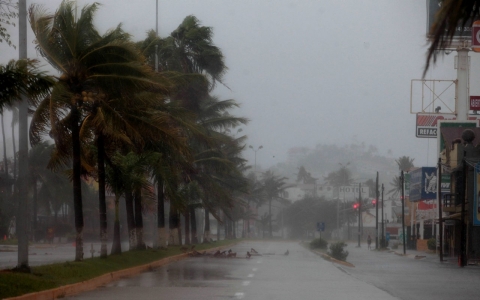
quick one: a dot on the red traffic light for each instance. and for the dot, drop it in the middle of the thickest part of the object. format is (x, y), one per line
(374, 202)
(356, 205)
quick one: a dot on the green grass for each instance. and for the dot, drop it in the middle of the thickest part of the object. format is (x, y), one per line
(55, 275)
(9, 242)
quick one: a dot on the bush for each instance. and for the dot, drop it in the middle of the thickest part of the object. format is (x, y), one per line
(337, 252)
(432, 244)
(318, 244)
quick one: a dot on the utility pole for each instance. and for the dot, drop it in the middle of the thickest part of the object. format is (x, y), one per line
(463, 231)
(383, 225)
(376, 212)
(440, 219)
(359, 212)
(402, 179)
(255, 178)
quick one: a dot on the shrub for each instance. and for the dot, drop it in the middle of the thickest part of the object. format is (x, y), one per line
(432, 244)
(337, 252)
(318, 244)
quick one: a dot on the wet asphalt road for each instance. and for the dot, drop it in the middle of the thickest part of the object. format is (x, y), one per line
(410, 278)
(300, 275)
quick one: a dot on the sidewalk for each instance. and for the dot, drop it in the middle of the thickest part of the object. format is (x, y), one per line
(429, 256)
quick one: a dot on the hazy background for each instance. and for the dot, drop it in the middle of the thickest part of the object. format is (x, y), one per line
(305, 72)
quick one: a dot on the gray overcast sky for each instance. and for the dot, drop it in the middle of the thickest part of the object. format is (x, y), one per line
(306, 72)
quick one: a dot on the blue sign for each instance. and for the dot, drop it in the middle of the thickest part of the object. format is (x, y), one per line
(423, 184)
(321, 226)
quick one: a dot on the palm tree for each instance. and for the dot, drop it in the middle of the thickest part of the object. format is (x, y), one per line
(405, 163)
(17, 79)
(22, 77)
(452, 13)
(93, 67)
(273, 188)
(8, 11)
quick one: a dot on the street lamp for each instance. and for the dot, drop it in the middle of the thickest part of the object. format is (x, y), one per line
(255, 176)
(255, 168)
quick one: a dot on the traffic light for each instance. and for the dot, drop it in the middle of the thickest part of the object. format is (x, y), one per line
(356, 205)
(374, 202)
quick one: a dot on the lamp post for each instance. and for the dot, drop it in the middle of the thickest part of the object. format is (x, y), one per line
(255, 176)
(255, 166)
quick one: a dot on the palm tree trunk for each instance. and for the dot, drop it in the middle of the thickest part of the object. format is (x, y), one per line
(270, 218)
(162, 233)
(77, 187)
(102, 204)
(132, 240)
(5, 163)
(174, 222)
(35, 209)
(14, 153)
(117, 245)
(193, 219)
(139, 219)
(225, 226)
(218, 226)
(206, 233)
(187, 227)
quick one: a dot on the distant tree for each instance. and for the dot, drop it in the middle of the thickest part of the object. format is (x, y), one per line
(341, 177)
(8, 11)
(273, 188)
(304, 176)
(405, 163)
(301, 216)
(396, 185)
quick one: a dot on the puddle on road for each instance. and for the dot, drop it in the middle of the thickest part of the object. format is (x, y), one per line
(206, 272)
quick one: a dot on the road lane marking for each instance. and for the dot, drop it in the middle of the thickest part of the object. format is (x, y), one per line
(250, 275)
(259, 261)
(254, 269)
(246, 283)
(239, 295)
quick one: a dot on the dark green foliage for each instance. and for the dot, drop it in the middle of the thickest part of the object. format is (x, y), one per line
(318, 244)
(302, 216)
(432, 244)
(337, 251)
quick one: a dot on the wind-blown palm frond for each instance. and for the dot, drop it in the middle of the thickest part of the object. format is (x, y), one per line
(22, 77)
(452, 14)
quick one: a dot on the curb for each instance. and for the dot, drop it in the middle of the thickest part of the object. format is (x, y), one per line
(328, 257)
(94, 283)
(334, 260)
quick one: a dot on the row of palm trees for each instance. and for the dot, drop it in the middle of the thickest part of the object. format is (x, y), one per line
(114, 119)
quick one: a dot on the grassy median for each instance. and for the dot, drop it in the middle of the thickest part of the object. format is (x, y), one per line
(55, 275)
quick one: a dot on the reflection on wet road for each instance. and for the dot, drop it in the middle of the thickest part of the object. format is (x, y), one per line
(269, 275)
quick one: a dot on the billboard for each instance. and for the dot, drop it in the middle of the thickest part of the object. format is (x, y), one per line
(433, 6)
(423, 184)
(427, 124)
